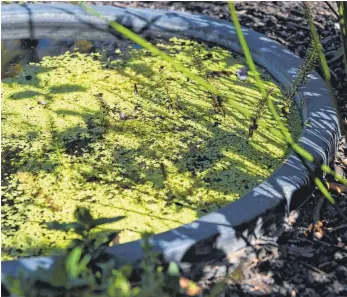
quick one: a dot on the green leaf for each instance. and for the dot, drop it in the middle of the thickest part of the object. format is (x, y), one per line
(71, 264)
(173, 269)
(155, 51)
(82, 267)
(324, 190)
(126, 270)
(102, 221)
(338, 177)
(104, 238)
(83, 216)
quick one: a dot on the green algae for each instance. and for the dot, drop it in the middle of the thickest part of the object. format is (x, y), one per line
(128, 136)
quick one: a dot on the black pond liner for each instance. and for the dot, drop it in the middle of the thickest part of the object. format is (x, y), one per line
(265, 207)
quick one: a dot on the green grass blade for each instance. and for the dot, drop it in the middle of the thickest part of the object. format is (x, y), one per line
(245, 48)
(301, 152)
(286, 134)
(339, 178)
(71, 264)
(324, 190)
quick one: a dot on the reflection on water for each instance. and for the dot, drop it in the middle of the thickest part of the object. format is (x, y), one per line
(15, 54)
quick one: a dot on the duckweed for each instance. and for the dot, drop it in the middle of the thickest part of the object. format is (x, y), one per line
(127, 136)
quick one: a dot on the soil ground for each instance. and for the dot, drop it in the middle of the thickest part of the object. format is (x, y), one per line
(302, 261)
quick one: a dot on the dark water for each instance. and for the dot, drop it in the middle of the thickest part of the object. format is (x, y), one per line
(15, 54)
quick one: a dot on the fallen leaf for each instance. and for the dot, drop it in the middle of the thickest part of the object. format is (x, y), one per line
(318, 229)
(190, 287)
(184, 282)
(337, 187)
(318, 235)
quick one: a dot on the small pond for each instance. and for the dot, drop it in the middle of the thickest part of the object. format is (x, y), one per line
(109, 126)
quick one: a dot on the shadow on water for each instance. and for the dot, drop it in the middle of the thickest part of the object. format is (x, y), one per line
(193, 161)
(233, 226)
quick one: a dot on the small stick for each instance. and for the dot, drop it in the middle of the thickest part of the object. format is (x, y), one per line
(332, 9)
(313, 268)
(337, 228)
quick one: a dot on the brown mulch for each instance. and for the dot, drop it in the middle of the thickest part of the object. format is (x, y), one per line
(310, 257)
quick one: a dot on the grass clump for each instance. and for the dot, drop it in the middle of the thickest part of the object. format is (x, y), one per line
(130, 137)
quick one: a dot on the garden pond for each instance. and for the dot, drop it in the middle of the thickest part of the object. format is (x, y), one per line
(118, 130)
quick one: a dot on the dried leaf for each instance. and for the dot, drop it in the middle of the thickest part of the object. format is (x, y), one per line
(184, 282)
(337, 187)
(318, 229)
(190, 287)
